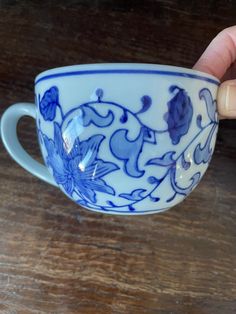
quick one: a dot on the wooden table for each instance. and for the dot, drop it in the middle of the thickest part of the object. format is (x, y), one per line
(58, 258)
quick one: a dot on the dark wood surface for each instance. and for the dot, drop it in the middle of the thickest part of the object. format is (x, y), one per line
(58, 258)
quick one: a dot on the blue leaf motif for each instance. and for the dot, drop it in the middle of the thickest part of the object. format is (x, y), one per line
(135, 195)
(179, 115)
(153, 180)
(184, 191)
(87, 189)
(154, 199)
(49, 144)
(156, 181)
(203, 154)
(89, 149)
(48, 104)
(59, 143)
(205, 94)
(199, 121)
(124, 117)
(100, 169)
(131, 208)
(149, 135)
(127, 150)
(185, 164)
(146, 104)
(91, 116)
(165, 161)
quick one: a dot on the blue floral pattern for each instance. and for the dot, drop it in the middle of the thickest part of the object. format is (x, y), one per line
(179, 115)
(79, 169)
(48, 104)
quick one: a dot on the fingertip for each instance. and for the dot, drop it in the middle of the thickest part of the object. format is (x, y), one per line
(226, 100)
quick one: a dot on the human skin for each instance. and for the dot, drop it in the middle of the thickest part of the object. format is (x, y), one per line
(219, 59)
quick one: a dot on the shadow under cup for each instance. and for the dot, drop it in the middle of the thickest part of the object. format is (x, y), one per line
(120, 138)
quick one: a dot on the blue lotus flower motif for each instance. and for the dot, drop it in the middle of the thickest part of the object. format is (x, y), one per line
(48, 104)
(79, 171)
(179, 115)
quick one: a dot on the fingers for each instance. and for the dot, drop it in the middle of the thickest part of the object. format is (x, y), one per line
(216, 60)
(220, 54)
(226, 100)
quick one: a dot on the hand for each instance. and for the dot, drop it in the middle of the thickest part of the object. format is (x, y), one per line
(219, 59)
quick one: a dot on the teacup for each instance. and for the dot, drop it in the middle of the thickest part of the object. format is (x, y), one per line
(120, 138)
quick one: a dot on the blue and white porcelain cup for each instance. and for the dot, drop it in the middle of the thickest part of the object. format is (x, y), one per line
(120, 138)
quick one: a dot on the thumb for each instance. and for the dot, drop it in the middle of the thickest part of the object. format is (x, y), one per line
(226, 100)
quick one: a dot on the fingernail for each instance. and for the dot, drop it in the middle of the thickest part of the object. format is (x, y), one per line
(227, 99)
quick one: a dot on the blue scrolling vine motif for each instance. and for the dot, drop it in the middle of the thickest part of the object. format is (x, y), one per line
(80, 171)
(204, 154)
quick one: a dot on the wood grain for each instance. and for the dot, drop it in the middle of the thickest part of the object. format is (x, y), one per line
(58, 258)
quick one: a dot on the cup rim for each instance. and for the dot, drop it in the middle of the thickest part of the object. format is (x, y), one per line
(135, 68)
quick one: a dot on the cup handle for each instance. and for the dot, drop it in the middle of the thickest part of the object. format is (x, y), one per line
(10, 140)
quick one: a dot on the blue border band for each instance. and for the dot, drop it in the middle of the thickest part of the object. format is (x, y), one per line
(128, 71)
(128, 212)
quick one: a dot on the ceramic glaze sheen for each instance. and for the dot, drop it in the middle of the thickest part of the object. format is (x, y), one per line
(126, 138)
